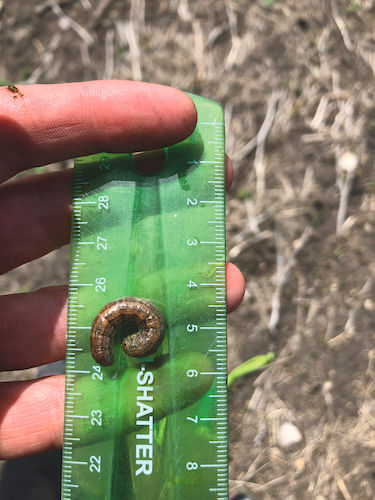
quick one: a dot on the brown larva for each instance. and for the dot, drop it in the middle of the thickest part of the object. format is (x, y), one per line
(141, 343)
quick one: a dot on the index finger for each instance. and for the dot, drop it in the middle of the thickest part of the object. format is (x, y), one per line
(47, 123)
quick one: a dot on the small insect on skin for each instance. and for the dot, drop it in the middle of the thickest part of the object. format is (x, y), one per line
(143, 342)
(14, 89)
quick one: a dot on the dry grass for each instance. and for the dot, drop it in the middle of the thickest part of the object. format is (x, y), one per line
(296, 79)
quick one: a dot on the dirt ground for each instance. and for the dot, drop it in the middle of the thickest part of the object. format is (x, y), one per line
(296, 78)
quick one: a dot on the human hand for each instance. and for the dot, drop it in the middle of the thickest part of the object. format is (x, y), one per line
(50, 123)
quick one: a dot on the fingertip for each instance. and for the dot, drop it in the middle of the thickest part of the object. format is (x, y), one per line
(188, 110)
(180, 110)
(235, 287)
(145, 116)
(229, 172)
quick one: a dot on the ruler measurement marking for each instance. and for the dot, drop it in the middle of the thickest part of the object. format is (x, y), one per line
(211, 465)
(76, 462)
(212, 418)
(218, 282)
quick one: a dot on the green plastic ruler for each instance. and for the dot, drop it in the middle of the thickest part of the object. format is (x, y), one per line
(150, 427)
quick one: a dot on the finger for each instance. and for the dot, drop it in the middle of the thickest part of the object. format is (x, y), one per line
(37, 209)
(37, 323)
(35, 217)
(33, 328)
(50, 123)
(31, 416)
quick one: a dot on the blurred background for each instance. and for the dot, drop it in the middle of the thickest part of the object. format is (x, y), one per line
(296, 79)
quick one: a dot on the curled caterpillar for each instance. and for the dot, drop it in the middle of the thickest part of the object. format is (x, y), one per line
(143, 342)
